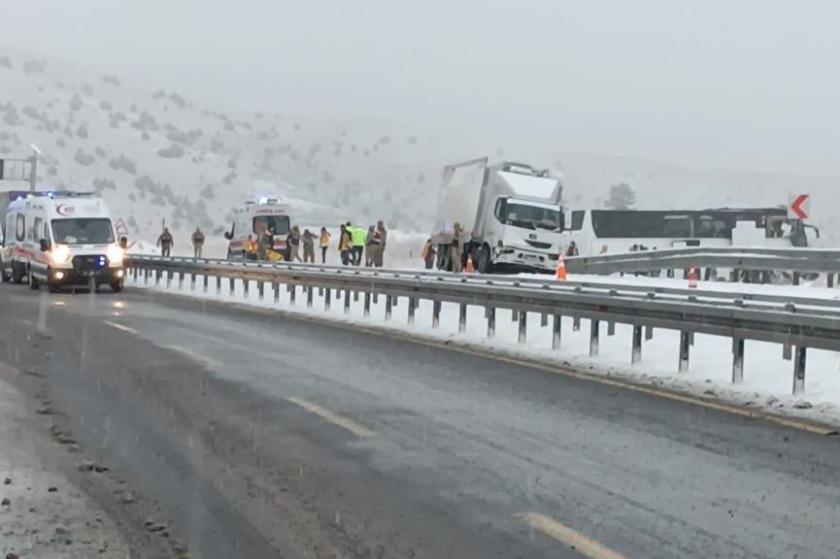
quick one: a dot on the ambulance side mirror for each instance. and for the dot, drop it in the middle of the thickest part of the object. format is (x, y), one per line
(227, 235)
(124, 243)
(45, 245)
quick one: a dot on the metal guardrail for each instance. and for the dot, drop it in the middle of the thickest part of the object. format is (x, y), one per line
(793, 260)
(806, 323)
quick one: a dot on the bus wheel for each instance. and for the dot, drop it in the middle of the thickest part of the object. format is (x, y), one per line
(485, 263)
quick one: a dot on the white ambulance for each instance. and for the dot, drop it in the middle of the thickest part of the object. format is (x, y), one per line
(251, 219)
(61, 239)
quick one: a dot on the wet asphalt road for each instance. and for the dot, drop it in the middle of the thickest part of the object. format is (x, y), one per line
(262, 435)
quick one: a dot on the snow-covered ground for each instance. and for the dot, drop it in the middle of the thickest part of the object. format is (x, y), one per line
(768, 378)
(42, 513)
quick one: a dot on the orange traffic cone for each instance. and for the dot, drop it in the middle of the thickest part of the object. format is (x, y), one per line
(561, 269)
(470, 269)
(692, 277)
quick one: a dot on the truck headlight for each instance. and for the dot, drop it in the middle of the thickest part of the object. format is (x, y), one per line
(115, 255)
(59, 255)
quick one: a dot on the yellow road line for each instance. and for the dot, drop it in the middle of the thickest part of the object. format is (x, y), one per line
(335, 419)
(421, 339)
(120, 327)
(567, 536)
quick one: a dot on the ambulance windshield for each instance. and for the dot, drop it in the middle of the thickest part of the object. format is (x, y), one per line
(83, 231)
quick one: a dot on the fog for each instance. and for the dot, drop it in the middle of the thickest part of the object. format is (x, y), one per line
(749, 84)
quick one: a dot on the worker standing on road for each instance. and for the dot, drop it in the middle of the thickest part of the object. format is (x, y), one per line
(345, 245)
(308, 246)
(324, 243)
(197, 242)
(383, 240)
(359, 237)
(293, 244)
(429, 254)
(373, 245)
(166, 242)
(457, 263)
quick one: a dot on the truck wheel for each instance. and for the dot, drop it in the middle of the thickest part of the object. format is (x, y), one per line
(34, 284)
(485, 263)
(17, 273)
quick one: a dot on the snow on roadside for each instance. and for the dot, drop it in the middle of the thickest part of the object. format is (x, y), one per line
(42, 514)
(768, 378)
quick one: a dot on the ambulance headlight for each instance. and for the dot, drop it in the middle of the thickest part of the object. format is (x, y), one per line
(59, 255)
(115, 255)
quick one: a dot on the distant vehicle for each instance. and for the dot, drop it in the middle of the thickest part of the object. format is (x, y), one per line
(603, 231)
(251, 219)
(60, 238)
(509, 212)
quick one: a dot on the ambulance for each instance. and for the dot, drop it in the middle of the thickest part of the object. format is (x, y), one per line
(61, 239)
(251, 219)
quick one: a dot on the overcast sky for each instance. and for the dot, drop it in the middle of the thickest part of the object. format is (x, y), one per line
(752, 84)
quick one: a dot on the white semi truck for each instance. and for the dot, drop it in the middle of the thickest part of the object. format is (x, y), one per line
(509, 216)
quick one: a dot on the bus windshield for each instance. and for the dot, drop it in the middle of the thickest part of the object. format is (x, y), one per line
(83, 231)
(532, 217)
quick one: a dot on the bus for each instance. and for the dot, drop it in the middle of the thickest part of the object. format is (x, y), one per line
(609, 231)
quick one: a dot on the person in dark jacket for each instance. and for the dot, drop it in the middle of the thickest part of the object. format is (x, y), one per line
(166, 242)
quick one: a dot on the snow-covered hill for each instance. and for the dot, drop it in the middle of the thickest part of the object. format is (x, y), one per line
(156, 156)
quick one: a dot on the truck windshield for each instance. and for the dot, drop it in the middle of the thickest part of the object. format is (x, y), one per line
(532, 217)
(279, 224)
(83, 231)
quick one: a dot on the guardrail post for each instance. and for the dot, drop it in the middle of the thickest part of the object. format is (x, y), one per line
(367, 303)
(436, 313)
(648, 333)
(610, 328)
(556, 331)
(346, 302)
(594, 336)
(276, 288)
(684, 345)
(669, 273)
(514, 315)
(320, 292)
(192, 282)
(146, 276)
(412, 306)
(462, 317)
(180, 280)
(231, 286)
(829, 280)
(543, 320)
(310, 292)
(389, 302)
(292, 294)
(134, 273)
(375, 298)
(355, 296)
(261, 290)
(765, 276)
(246, 287)
(523, 326)
(799, 371)
(327, 299)
(796, 278)
(204, 282)
(576, 323)
(737, 360)
(787, 351)
(218, 285)
(490, 312)
(636, 354)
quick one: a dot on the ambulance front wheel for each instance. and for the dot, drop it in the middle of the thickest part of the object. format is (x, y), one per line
(117, 286)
